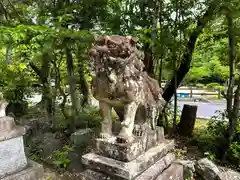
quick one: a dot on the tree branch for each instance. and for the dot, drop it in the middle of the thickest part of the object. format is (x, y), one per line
(189, 49)
(4, 10)
(35, 69)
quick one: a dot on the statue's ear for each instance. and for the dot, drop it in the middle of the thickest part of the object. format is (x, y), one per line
(101, 40)
(97, 37)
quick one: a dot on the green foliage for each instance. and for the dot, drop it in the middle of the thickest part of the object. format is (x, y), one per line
(33, 148)
(61, 158)
(213, 85)
(212, 139)
(234, 153)
(89, 118)
(210, 59)
(210, 156)
(199, 85)
(180, 153)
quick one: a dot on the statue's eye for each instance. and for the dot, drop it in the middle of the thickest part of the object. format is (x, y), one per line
(100, 42)
(111, 45)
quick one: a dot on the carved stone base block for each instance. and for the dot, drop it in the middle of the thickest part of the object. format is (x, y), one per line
(127, 170)
(12, 155)
(33, 171)
(128, 151)
(174, 172)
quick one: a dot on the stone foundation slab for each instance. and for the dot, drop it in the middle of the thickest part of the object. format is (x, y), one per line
(153, 172)
(150, 174)
(33, 171)
(127, 170)
(174, 172)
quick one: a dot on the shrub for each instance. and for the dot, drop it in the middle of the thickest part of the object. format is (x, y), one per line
(61, 158)
(212, 140)
(234, 153)
(200, 85)
(213, 85)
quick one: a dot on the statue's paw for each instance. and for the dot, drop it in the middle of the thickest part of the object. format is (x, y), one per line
(124, 139)
(124, 136)
(105, 135)
(137, 131)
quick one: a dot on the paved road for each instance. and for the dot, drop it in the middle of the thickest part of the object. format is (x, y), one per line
(206, 110)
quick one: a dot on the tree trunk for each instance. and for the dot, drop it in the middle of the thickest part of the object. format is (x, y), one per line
(84, 86)
(73, 88)
(175, 69)
(147, 49)
(161, 46)
(187, 121)
(231, 54)
(188, 52)
(148, 59)
(235, 114)
(8, 57)
(232, 109)
(160, 71)
(43, 74)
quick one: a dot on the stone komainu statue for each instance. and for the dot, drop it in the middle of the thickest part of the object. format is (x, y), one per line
(120, 82)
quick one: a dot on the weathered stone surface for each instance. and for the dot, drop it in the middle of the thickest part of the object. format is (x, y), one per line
(94, 175)
(150, 174)
(16, 132)
(120, 82)
(188, 168)
(230, 175)
(3, 105)
(7, 123)
(174, 172)
(208, 170)
(131, 150)
(33, 171)
(160, 134)
(81, 136)
(75, 164)
(153, 172)
(12, 156)
(127, 170)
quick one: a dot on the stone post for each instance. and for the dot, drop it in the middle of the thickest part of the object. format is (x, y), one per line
(13, 163)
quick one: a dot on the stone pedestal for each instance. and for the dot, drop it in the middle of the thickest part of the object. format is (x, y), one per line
(13, 162)
(147, 157)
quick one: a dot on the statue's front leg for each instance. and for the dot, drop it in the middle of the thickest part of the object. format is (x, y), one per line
(152, 116)
(127, 124)
(106, 126)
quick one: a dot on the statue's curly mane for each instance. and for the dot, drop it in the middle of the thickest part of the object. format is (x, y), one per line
(116, 52)
(120, 55)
